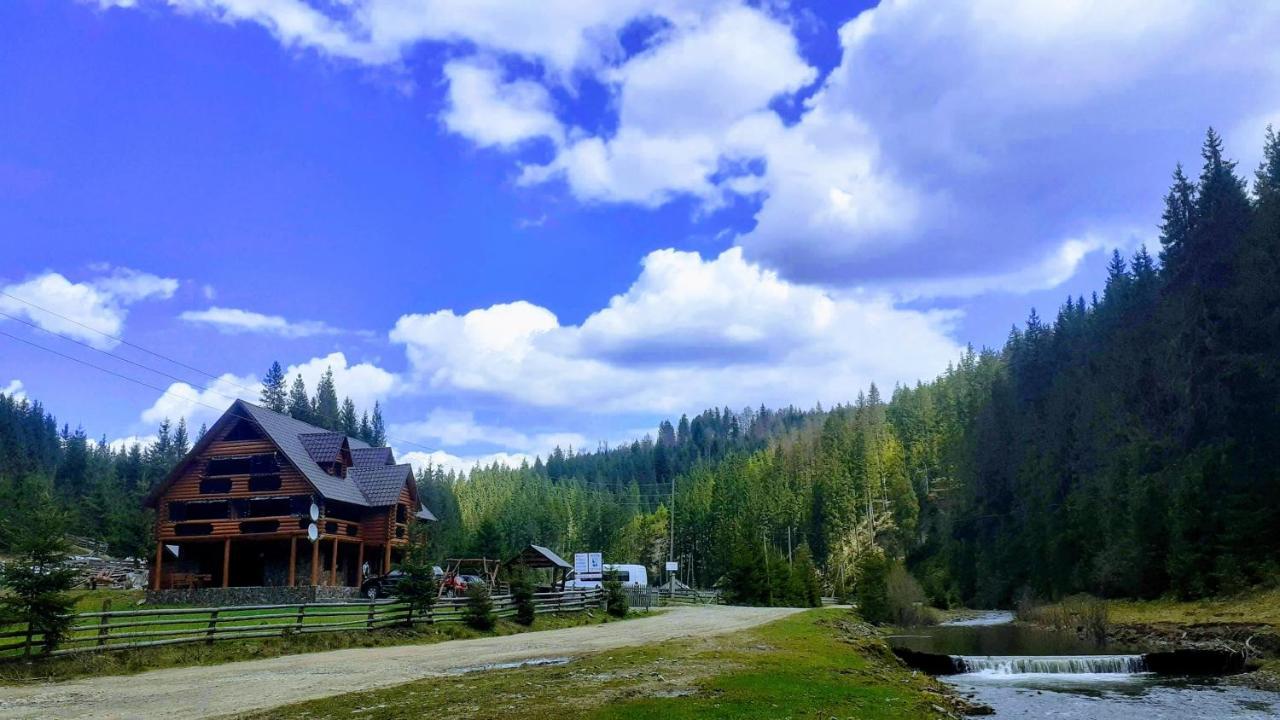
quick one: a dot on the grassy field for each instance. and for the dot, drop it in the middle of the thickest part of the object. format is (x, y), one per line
(818, 664)
(125, 662)
(1256, 608)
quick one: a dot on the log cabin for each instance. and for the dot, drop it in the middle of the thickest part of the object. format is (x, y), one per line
(266, 500)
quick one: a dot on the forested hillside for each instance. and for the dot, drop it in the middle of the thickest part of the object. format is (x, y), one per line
(1127, 446)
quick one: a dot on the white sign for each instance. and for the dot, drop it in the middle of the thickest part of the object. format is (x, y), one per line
(588, 566)
(673, 566)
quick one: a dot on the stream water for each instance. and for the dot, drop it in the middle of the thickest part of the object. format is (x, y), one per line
(1024, 672)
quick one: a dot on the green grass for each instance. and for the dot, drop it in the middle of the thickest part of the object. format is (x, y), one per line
(126, 662)
(818, 664)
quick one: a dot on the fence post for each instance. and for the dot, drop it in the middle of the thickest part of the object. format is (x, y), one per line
(103, 629)
(210, 632)
(368, 625)
(26, 650)
(297, 626)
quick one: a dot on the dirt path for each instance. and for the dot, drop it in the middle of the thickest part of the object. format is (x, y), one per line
(233, 688)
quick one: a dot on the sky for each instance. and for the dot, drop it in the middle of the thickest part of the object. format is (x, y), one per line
(527, 225)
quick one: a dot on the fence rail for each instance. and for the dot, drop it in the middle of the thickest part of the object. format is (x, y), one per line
(127, 629)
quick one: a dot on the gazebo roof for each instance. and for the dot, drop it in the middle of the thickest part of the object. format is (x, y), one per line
(536, 556)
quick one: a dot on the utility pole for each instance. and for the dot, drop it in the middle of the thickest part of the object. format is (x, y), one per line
(671, 550)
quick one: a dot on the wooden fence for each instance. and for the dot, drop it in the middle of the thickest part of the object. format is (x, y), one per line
(126, 629)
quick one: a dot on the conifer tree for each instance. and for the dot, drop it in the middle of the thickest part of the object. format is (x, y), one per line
(377, 431)
(299, 404)
(274, 395)
(327, 412)
(350, 423)
(181, 444)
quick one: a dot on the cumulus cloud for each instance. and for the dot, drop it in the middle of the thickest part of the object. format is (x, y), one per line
(455, 428)
(233, 320)
(365, 383)
(460, 463)
(89, 311)
(13, 390)
(689, 332)
(490, 111)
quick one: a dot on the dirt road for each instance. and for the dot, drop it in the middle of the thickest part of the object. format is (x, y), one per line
(233, 688)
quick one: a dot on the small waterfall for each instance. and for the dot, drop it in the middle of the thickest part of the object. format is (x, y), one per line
(1056, 665)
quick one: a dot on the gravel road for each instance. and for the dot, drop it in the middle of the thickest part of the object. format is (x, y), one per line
(233, 688)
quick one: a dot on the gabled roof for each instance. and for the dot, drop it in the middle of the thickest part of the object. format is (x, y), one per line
(323, 447)
(367, 456)
(536, 556)
(380, 484)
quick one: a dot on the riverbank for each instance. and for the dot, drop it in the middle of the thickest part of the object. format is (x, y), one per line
(1248, 623)
(819, 663)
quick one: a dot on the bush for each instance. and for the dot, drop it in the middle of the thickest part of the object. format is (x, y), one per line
(907, 600)
(522, 594)
(37, 578)
(1082, 614)
(615, 600)
(479, 612)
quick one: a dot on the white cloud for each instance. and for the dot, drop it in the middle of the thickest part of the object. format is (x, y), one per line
(201, 405)
(233, 320)
(125, 443)
(364, 383)
(13, 390)
(88, 311)
(492, 112)
(461, 463)
(454, 428)
(688, 333)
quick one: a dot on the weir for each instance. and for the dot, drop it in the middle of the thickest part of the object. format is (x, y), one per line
(1055, 665)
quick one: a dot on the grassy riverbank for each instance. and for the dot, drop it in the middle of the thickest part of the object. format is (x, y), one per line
(127, 662)
(821, 663)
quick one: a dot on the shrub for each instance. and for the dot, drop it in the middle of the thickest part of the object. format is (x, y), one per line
(907, 599)
(479, 612)
(522, 594)
(1082, 614)
(615, 600)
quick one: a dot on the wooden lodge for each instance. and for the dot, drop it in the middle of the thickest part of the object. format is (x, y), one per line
(266, 500)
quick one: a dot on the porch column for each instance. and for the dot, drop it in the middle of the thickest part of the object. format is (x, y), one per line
(315, 562)
(386, 559)
(293, 559)
(360, 566)
(333, 573)
(155, 581)
(226, 562)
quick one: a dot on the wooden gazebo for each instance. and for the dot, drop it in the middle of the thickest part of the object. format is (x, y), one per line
(537, 557)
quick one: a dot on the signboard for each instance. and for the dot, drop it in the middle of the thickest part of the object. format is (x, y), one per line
(588, 566)
(673, 566)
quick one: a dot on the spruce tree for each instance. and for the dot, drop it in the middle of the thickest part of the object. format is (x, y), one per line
(274, 396)
(350, 423)
(366, 430)
(377, 431)
(181, 444)
(327, 413)
(299, 403)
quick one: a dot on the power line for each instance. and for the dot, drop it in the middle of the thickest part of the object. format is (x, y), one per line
(123, 341)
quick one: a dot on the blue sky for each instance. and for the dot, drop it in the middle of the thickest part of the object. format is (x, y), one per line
(520, 225)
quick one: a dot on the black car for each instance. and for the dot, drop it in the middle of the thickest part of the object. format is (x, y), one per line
(381, 586)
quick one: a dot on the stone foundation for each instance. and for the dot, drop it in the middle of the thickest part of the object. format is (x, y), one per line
(224, 597)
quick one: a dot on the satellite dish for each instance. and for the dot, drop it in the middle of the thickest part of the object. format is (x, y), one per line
(315, 512)
(313, 532)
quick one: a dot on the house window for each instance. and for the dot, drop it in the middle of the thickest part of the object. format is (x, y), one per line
(259, 526)
(264, 483)
(401, 513)
(215, 486)
(189, 529)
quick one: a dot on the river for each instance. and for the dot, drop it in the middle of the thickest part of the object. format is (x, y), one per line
(1024, 672)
